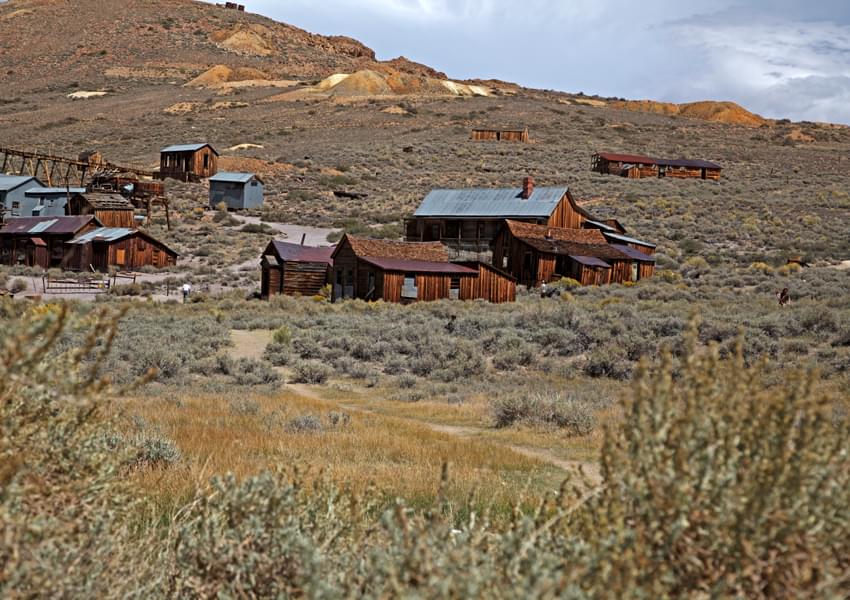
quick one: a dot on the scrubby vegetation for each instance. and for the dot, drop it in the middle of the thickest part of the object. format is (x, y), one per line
(719, 480)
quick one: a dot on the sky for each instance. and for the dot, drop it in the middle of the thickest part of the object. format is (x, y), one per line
(778, 58)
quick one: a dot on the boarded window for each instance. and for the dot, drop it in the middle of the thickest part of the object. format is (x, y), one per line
(454, 288)
(409, 289)
(120, 254)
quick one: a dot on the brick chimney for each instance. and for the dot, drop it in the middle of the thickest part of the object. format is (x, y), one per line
(527, 187)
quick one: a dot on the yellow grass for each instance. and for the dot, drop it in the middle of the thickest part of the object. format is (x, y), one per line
(400, 456)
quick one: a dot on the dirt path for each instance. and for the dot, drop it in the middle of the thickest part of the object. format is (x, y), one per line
(252, 344)
(314, 236)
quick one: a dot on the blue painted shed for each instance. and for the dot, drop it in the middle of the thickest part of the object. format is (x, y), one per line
(48, 201)
(13, 199)
(238, 190)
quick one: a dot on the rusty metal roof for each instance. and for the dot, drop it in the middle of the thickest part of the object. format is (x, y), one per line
(287, 251)
(503, 203)
(46, 225)
(418, 266)
(664, 162)
(590, 261)
(634, 253)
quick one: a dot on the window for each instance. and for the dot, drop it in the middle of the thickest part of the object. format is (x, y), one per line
(480, 230)
(206, 161)
(254, 183)
(409, 289)
(120, 255)
(435, 232)
(635, 271)
(16, 205)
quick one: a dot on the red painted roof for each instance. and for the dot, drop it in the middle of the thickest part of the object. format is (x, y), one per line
(628, 158)
(47, 225)
(418, 266)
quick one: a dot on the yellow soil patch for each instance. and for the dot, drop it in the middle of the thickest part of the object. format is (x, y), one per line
(222, 74)
(252, 165)
(182, 108)
(590, 102)
(250, 40)
(797, 135)
(719, 112)
(147, 72)
(17, 13)
(395, 110)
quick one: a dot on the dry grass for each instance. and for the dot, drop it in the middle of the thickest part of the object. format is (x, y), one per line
(399, 456)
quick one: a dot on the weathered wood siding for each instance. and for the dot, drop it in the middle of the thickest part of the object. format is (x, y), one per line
(344, 273)
(116, 218)
(491, 285)
(129, 253)
(188, 166)
(304, 278)
(565, 215)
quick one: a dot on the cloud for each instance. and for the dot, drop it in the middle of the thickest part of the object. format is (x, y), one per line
(781, 58)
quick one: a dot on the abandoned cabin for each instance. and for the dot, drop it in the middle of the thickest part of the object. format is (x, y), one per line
(40, 241)
(120, 247)
(294, 270)
(188, 162)
(237, 190)
(13, 198)
(410, 271)
(638, 167)
(500, 135)
(536, 254)
(468, 220)
(112, 210)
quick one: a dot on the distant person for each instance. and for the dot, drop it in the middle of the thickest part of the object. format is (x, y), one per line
(187, 289)
(784, 297)
(543, 289)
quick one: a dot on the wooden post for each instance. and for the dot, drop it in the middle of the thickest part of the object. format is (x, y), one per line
(167, 216)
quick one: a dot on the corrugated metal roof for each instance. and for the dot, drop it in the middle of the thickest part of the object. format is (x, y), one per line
(418, 266)
(187, 148)
(228, 177)
(106, 234)
(296, 253)
(50, 225)
(601, 225)
(13, 182)
(590, 261)
(497, 203)
(634, 253)
(54, 190)
(628, 240)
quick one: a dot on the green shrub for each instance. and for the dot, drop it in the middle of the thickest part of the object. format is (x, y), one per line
(569, 414)
(311, 372)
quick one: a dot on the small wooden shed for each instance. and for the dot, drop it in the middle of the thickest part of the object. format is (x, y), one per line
(294, 270)
(492, 284)
(118, 247)
(40, 241)
(113, 210)
(189, 162)
(500, 135)
(396, 271)
(237, 190)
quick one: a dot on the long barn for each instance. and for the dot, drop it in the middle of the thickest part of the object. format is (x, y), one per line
(635, 166)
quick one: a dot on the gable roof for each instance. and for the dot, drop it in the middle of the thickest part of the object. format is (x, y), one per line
(188, 148)
(114, 234)
(634, 253)
(13, 182)
(422, 251)
(418, 266)
(47, 225)
(496, 203)
(563, 241)
(229, 177)
(287, 251)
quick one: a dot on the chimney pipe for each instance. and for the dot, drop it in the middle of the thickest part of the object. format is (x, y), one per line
(303, 238)
(527, 187)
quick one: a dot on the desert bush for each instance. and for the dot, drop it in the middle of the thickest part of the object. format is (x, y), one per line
(609, 361)
(305, 424)
(244, 407)
(569, 414)
(311, 372)
(249, 371)
(18, 285)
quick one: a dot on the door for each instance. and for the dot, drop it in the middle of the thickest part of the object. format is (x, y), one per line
(100, 256)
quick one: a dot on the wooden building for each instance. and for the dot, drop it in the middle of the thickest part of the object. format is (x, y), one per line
(189, 162)
(294, 270)
(636, 166)
(119, 247)
(41, 241)
(395, 271)
(237, 190)
(500, 135)
(537, 254)
(470, 219)
(112, 210)
(492, 284)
